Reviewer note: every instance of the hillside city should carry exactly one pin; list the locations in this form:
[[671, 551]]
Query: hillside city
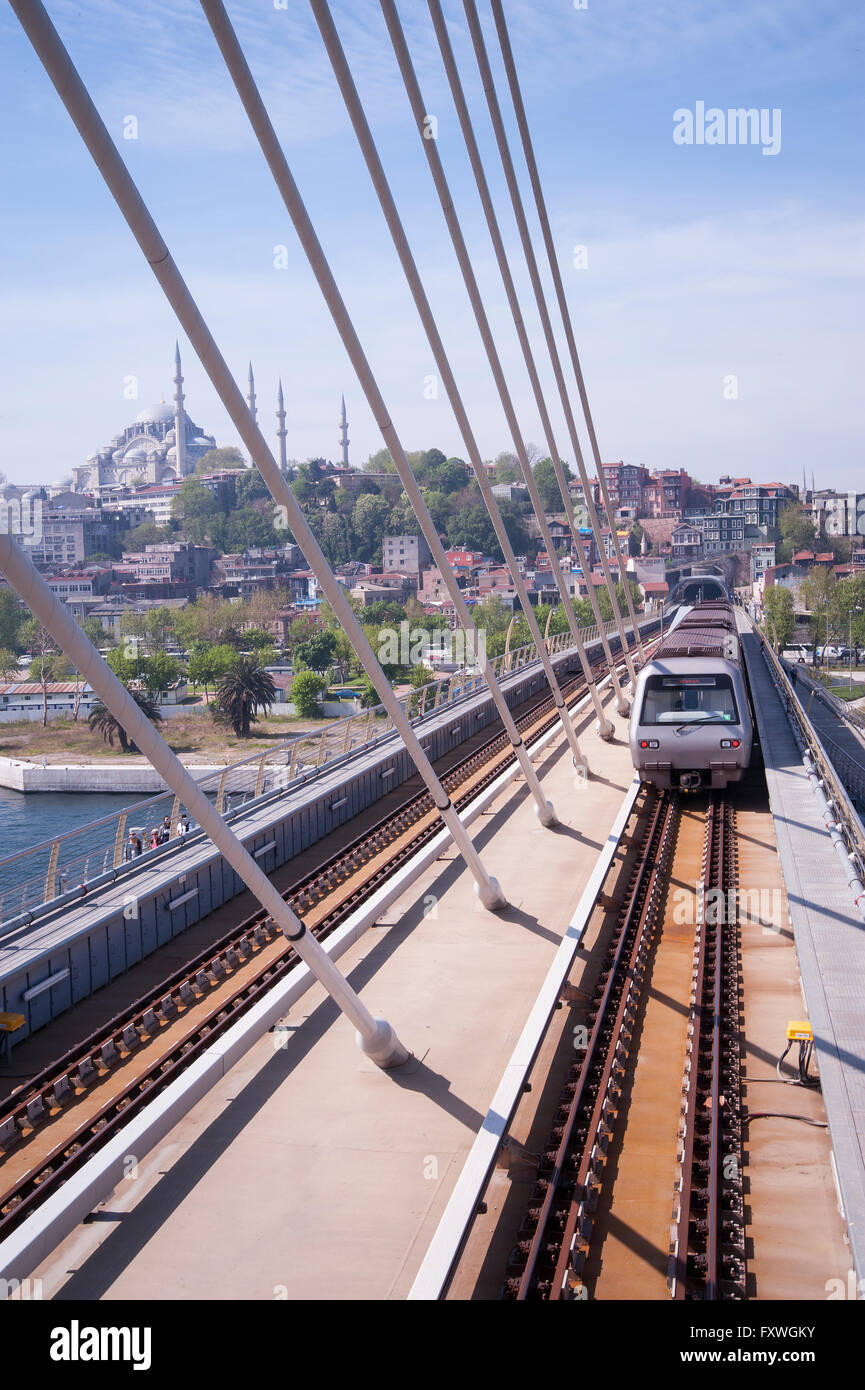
[[169, 553]]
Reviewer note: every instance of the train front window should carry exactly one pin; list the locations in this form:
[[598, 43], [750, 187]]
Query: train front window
[[689, 699]]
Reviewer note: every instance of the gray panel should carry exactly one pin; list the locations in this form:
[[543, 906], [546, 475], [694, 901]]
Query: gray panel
[[98, 944]]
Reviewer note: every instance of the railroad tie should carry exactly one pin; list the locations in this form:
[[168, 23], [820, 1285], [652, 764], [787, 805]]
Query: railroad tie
[[217, 969], [232, 958], [36, 1111], [187, 994], [149, 1021], [131, 1037], [61, 1091], [9, 1133], [167, 1007], [87, 1072], [108, 1052], [244, 947]]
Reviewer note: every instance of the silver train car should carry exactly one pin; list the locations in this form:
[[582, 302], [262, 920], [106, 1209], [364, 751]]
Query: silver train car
[[691, 726]]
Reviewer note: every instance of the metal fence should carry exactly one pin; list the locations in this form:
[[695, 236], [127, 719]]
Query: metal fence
[[71, 861]]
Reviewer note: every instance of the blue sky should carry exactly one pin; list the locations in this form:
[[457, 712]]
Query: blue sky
[[704, 262]]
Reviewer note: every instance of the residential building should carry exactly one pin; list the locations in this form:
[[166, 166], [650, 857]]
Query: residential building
[[410, 554], [687, 542]]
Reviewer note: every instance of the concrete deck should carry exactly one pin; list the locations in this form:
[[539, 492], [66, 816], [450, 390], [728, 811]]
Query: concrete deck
[[830, 940], [308, 1173]]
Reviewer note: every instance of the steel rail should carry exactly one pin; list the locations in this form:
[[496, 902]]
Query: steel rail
[[707, 1257], [546, 1247], [66, 1158]]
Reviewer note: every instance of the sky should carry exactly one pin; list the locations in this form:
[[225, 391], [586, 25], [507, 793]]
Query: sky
[[717, 303]]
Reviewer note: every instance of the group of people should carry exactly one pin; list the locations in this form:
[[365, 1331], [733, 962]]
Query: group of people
[[136, 844]]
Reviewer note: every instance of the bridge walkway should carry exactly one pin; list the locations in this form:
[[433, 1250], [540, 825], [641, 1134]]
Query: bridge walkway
[[307, 1172], [830, 939]]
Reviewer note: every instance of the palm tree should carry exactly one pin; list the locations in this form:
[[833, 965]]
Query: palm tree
[[242, 691], [102, 721]]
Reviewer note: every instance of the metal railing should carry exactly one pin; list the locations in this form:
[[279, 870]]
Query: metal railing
[[78, 857], [850, 821]]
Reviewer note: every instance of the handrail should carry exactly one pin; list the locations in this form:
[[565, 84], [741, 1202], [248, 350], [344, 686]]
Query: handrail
[[46, 871], [851, 825]]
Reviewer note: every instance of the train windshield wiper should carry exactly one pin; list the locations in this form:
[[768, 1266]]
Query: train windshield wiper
[[702, 719]]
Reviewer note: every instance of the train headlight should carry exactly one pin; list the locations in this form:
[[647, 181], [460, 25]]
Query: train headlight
[[731, 743], [649, 743]]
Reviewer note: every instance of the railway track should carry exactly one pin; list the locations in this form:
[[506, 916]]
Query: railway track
[[603, 1148], [707, 1257], [53, 1124]]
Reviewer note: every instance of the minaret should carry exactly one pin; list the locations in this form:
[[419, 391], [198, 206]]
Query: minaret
[[343, 434], [251, 397], [179, 417], [280, 433]]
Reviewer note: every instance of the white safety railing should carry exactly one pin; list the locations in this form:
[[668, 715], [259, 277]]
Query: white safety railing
[[77, 858]]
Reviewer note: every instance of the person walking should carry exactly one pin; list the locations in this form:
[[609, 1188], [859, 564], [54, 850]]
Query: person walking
[[183, 825], [155, 839], [129, 850], [165, 832]]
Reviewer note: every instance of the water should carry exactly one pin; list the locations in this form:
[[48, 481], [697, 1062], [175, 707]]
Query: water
[[28, 820]]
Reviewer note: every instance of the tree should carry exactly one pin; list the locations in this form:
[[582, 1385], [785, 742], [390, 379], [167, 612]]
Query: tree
[[12, 618], [148, 533], [507, 468], [43, 649], [102, 721], [208, 664], [196, 508], [317, 651], [515, 526], [819, 592], [471, 529], [208, 619], [216, 459], [778, 605], [8, 664], [380, 463], [548, 486], [160, 672], [94, 632], [797, 531], [370, 521], [257, 638], [242, 691], [305, 691], [250, 487]]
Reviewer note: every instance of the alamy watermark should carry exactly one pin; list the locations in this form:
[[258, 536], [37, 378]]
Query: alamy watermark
[[419, 646], [736, 126], [21, 517]]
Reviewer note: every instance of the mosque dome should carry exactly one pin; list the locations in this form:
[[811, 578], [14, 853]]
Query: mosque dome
[[155, 414], [171, 455], [200, 439], [169, 438], [136, 456]]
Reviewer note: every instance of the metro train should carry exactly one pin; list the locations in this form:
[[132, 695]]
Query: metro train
[[691, 725]]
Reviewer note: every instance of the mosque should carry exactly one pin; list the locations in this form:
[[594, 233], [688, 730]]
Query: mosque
[[161, 445]]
